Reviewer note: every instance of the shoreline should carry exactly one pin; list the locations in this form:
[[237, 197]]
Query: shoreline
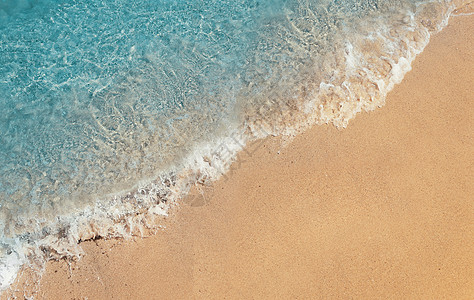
[[187, 256], [131, 212]]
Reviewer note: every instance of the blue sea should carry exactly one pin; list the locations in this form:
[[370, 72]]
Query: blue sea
[[111, 109]]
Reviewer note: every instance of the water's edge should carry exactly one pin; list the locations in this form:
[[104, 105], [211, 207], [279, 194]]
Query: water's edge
[[137, 211]]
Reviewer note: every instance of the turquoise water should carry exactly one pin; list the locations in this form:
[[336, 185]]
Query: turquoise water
[[106, 104]]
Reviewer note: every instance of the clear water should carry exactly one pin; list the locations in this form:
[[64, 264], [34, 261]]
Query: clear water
[[103, 102]]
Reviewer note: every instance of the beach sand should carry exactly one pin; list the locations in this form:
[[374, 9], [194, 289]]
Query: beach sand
[[381, 209]]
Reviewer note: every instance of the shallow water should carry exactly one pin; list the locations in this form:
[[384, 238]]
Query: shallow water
[[111, 109]]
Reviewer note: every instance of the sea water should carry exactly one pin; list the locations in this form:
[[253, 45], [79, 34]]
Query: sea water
[[112, 109]]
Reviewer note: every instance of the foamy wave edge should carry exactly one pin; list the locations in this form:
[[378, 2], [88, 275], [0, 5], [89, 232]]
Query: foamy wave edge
[[365, 68], [336, 100]]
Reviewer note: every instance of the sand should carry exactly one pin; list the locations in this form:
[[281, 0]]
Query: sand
[[381, 209]]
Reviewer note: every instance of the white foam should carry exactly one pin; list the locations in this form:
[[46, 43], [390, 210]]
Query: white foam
[[10, 264]]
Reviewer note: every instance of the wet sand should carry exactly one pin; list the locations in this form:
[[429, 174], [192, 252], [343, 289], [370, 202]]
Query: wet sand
[[381, 209]]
